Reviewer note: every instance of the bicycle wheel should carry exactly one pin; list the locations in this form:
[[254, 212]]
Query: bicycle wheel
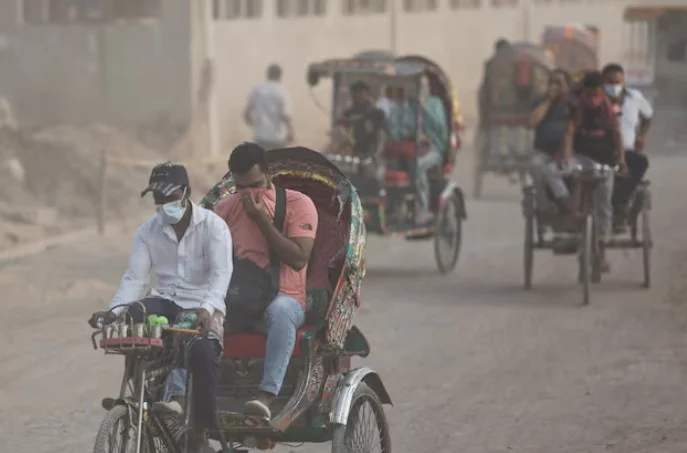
[[115, 426], [646, 247], [586, 258], [528, 208]]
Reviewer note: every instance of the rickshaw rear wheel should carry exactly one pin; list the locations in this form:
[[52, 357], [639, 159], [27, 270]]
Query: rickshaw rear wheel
[[449, 214], [348, 438], [646, 248]]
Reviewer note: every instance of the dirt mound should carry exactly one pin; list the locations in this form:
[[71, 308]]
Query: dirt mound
[[50, 178], [65, 167]]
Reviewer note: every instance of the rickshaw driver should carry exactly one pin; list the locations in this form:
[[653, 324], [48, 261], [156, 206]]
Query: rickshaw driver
[[189, 249], [369, 126], [249, 214], [635, 119], [593, 132]]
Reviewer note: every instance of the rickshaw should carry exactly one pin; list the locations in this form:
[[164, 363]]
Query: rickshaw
[[575, 47], [324, 398], [540, 223], [390, 201], [515, 78]]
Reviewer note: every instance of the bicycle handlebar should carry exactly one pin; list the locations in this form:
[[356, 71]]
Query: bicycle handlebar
[[600, 170]]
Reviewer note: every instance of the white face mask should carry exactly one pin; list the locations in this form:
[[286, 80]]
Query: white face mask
[[171, 213], [613, 90]]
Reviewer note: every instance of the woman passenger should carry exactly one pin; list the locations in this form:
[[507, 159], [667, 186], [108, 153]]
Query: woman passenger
[[549, 119]]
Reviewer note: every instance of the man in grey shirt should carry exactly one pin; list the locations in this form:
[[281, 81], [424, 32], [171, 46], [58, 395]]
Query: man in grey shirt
[[268, 112]]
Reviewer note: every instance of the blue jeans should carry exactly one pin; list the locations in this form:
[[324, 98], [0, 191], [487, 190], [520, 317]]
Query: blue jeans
[[283, 317]]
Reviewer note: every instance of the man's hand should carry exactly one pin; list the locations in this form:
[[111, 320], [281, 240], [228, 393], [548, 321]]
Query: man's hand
[[253, 207], [562, 160], [203, 321], [639, 143], [106, 317]]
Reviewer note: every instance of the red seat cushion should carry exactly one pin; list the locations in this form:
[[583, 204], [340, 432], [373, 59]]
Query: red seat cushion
[[396, 149], [396, 178], [253, 345]]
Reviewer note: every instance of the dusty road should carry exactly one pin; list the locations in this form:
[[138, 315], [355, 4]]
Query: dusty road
[[474, 363]]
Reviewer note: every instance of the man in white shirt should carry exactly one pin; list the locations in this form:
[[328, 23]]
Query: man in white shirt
[[268, 112], [189, 250], [635, 119]]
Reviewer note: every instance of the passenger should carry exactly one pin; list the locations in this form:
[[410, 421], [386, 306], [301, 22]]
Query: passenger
[[367, 122], [549, 119], [593, 132], [433, 122], [635, 120], [433, 133], [428, 157], [249, 214], [394, 105], [268, 112], [188, 248], [386, 102]]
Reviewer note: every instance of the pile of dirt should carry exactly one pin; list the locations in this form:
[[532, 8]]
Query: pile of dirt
[[50, 179], [65, 167]]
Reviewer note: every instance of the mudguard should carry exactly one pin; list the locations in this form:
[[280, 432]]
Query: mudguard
[[109, 403], [343, 397], [450, 190]]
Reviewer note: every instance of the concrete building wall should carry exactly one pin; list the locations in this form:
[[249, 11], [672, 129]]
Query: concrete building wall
[[458, 39], [78, 73]]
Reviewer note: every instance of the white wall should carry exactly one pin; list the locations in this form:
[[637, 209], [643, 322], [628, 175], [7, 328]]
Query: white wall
[[459, 40]]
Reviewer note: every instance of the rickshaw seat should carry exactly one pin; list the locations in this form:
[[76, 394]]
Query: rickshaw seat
[[252, 345], [395, 178], [400, 149]]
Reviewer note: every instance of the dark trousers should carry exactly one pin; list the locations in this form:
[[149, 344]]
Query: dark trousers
[[637, 165], [204, 358]]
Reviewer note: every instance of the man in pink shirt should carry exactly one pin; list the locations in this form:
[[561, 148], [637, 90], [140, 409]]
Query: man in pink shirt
[[250, 213]]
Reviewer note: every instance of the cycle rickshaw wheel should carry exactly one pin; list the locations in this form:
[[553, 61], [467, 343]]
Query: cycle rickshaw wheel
[[448, 235], [646, 247], [529, 237], [366, 430], [587, 258], [115, 432]]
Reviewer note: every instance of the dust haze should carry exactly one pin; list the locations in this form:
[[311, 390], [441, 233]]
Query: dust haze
[[473, 362]]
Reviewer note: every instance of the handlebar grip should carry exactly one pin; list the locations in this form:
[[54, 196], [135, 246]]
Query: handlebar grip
[[95, 334]]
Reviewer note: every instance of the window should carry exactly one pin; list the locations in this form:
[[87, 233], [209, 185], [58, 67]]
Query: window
[[75, 11], [418, 6], [360, 7], [503, 3], [236, 9], [465, 4], [301, 8]]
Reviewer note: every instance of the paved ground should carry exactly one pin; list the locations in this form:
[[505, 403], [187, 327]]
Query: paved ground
[[473, 362]]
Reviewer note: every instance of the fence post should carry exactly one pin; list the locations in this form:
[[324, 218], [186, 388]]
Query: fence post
[[102, 195]]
